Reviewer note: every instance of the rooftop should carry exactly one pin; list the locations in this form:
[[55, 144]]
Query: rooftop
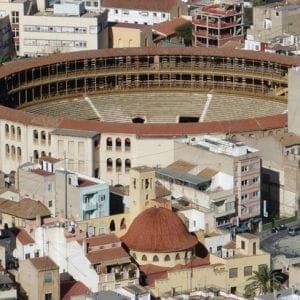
[[142, 169], [23, 236], [248, 235], [102, 239], [169, 27], [43, 263], [218, 145], [181, 166], [75, 133], [42, 172], [116, 255], [26, 208]]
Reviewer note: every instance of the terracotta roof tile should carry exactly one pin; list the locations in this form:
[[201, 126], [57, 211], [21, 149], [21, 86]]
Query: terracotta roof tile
[[72, 288], [230, 245], [42, 172], [43, 263], [102, 239], [100, 256], [153, 5], [26, 208], [23, 236], [158, 229], [169, 27]]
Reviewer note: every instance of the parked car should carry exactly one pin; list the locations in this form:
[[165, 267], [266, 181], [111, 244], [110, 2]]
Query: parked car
[[294, 230]]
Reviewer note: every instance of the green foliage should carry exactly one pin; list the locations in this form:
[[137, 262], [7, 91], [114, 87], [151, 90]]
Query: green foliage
[[262, 282], [184, 32]]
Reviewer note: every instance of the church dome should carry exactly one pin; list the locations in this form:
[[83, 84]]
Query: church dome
[[158, 229]]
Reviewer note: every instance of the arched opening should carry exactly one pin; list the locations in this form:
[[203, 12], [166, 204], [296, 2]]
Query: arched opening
[[13, 131], [43, 137], [144, 258], [177, 257], [18, 133], [43, 154], [6, 129], [35, 155], [108, 143], [127, 144], [19, 152], [127, 165], [118, 144], [167, 258], [7, 151], [13, 152], [118, 165], [112, 226], [155, 258], [35, 135], [123, 224], [109, 164], [138, 120]]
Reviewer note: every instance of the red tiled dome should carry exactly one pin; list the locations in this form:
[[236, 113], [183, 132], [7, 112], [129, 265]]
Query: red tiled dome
[[158, 230]]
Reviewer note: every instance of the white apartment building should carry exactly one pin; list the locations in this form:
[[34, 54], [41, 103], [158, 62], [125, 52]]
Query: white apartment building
[[234, 158], [39, 29], [143, 12]]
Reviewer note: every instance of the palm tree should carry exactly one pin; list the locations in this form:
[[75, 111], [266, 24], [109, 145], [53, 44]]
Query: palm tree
[[263, 281]]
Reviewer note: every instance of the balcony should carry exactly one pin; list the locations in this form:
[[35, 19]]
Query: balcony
[[89, 206]]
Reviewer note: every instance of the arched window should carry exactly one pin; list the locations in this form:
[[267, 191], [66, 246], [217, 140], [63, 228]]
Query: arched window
[[123, 224], [118, 144], [43, 154], [13, 152], [167, 258], [13, 131], [109, 164], [19, 133], [112, 226], [108, 143], [155, 258], [144, 258], [127, 165], [35, 155], [35, 135], [127, 144], [7, 151], [177, 257], [118, 165], [19, 152], [6, 129], [43, 137]]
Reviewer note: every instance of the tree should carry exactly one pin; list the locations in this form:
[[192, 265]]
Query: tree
[[263, 281], [184, 32]]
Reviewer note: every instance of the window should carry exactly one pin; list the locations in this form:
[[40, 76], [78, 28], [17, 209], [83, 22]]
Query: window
[[109, 144], [243, 244], [244, 197], [48, 296], [109, 164], [177, 257], [37, 253], [248, 271], [134, 183], [15, 17], [127, 144], [116, 11], [6, 129], [255, 194], [13, 221], [144, 258], [163, 15], [255, 179], [48, 276], [154, 14], [118, 144], [155, 258], [261, 267], [18, 133], [245, 168], [35, 134], [7, 150], [127, 165], [71, 147], [50, 203], [167, 258], [118, 165], [27, 255], [233, 272], [244, 182], [43, 137]]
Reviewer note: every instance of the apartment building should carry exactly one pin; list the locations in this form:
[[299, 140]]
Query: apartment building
[[240, 161], [61, 27], [271, 21], [143, 12], [216, 23], [205, 190], [65, 193]]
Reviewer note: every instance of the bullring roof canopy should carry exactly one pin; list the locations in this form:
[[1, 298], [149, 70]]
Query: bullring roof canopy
[[158, 230]]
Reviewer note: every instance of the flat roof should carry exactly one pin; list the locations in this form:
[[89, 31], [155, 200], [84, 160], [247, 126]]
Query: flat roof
[[75, 133], [184, 177]]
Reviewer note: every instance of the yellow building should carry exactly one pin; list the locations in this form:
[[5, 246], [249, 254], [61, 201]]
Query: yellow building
[[125, 35]]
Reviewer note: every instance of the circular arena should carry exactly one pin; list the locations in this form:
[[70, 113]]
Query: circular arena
[[150, 85]]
